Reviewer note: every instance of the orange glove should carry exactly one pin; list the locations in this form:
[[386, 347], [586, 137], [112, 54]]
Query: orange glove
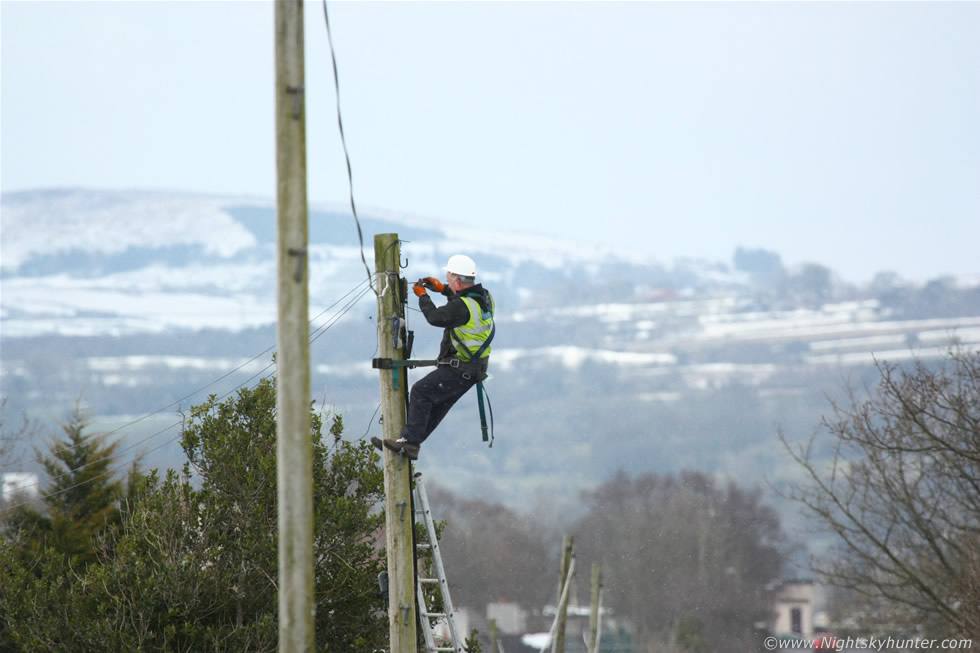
[[419, 289], [433, 283]]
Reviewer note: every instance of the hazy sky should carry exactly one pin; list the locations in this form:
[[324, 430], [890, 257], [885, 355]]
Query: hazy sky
[[842, 133]]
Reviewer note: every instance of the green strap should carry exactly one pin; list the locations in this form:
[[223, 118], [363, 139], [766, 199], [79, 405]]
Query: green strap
[[483, 415]]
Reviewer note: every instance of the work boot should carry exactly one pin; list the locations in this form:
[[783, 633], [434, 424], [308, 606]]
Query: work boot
[[377, 443], [401, 445]]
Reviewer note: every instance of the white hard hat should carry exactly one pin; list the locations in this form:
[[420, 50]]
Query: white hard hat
[[461, 265]]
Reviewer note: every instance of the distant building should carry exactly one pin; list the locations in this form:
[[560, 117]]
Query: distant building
[[793, 608], [511, 617], [20, 485]]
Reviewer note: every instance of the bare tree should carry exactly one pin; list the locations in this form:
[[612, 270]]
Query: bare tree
[[13, 445], [896, 476], [492, 553], [685, 558], [12, 440]]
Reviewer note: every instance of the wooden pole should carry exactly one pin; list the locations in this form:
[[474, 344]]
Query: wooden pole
[[397, 469], [494, 646], [294, 448], [566, 562], [594, 612]]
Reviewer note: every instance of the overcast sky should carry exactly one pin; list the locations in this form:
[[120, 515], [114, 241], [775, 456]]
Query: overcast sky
[[840, 133]]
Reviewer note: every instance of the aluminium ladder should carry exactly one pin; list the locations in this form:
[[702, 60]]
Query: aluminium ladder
[[426, 617]]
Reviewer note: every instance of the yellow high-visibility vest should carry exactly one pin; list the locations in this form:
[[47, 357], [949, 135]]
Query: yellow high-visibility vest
[[473, 336]]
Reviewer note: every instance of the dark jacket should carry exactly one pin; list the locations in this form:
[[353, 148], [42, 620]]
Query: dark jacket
[[455, 314]]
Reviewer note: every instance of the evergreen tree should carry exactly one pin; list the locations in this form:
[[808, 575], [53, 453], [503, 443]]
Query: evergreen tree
[[193, 563], [81, 499], [44, 549]]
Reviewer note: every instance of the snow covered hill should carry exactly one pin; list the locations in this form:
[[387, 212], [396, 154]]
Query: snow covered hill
[[113, 263], [104, 262], [147, 302]]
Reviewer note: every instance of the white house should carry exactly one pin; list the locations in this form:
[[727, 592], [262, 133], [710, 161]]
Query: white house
[[793, 608]]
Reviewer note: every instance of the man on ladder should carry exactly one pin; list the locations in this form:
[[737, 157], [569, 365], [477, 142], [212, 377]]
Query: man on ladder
[[464, 353]]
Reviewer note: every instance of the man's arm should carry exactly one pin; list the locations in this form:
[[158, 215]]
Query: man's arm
[[453, 314]]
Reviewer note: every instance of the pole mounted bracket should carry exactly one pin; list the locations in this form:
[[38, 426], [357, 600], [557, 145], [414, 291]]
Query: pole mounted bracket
[[297, 93], [383, 587], [394, 364], [407, 609], [300, 254]]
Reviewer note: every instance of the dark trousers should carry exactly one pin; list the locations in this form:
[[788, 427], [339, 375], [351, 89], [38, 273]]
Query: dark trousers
[[431, 398]]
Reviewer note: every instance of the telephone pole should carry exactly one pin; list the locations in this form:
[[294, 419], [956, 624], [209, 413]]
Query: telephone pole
[[294, 448], [596, 604], [567, 568], [399, 533]]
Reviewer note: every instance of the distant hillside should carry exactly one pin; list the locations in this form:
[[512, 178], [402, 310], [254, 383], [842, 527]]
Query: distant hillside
[[147, 302], [144, 256]]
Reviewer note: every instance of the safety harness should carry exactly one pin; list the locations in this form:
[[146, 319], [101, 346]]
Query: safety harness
[[474, 333], [463, 347], [469, 333]]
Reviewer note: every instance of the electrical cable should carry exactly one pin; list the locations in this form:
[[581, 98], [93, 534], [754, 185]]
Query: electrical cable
[[225, 375], [315, 336], [343, 142], [316, 333], [322, 329], [371, 421]]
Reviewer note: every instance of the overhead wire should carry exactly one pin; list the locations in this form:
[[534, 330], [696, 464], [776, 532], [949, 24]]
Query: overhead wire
[[316, 332], [343, 142], [314, 335], [350, 177], [233, 370], [371, 422], [165, 429]]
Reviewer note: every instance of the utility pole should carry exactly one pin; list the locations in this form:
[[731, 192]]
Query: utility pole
[[399, 520], [594, 612], [566, 567], [294, 448]]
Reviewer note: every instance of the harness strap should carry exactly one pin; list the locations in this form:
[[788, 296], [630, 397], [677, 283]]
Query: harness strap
[[479, 384], [483, 417], [483, 347], [486, 343]]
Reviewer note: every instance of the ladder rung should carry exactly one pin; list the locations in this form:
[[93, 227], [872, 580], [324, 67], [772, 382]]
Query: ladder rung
[[422, 510]]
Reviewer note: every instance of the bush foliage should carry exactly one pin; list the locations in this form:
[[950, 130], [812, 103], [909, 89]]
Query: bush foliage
[[189, 560]]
